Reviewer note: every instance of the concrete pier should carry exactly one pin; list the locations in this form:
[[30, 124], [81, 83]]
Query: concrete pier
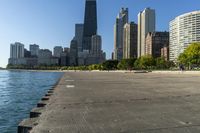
[[95, 102]]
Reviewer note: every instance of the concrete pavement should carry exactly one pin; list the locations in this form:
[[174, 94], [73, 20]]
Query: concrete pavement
[[94, 102]]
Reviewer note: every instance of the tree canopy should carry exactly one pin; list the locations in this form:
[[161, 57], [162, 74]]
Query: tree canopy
[[191, 55]]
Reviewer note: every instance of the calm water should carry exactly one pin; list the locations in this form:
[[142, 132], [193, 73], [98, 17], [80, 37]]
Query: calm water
[[19, 93]]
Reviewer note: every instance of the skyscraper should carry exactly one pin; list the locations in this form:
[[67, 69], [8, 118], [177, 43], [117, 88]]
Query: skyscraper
[[79, 36], [90, 23], [184, 30], [130, 41], [121, 20], [146, 24]]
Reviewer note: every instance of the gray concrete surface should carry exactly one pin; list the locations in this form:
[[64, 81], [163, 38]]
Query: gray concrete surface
[[94, 102]]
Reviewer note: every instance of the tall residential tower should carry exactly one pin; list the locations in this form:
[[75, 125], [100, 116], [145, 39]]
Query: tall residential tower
[[146, 24], [184, 30]]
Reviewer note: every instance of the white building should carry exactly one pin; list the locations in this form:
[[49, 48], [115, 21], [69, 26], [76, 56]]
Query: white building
[[121, 20], [146, 24], [17, 50], [184, 30]]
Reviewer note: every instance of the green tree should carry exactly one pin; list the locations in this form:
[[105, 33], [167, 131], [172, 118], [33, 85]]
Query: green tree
[[161, 63], [126, 64], [191, 56], [110, 65], [145, 62]]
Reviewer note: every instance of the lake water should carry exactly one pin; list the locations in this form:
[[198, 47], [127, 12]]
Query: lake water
[[19, 93]]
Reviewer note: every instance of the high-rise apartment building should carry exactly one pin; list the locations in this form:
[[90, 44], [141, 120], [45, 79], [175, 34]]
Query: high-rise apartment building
[[146, 24], [17, 50], [57, 51], [90, 23], [34, 49], [130, 41], [155, 41], [184, 30], [121, 20]]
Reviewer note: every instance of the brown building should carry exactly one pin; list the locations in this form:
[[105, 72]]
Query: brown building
[[155, 41], [130, 41]]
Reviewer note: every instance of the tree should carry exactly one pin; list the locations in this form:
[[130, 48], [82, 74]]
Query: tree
[[145, 62], [161, 63], [191, 56], [110, 65], [126, 64]]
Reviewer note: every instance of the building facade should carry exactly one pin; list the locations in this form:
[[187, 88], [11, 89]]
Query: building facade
[[34, 49], [146, 24], [17, 50], [73, 53], [121, 20], [184, 30], [45, 58], [79, 36], [155, 41], [165, 53], [90, 23], [96, 45], [57, 51], [130, 41]]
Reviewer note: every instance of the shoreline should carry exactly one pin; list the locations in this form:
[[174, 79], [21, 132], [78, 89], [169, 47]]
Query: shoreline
[[26, 125], [114, 71]]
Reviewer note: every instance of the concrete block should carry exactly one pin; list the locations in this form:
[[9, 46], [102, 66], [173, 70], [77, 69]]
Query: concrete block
[[27, 125]]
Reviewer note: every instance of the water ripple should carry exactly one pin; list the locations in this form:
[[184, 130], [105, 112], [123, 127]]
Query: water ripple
[[19, 93]]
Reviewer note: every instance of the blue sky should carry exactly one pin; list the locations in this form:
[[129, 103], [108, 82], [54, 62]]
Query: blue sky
[[51, 22]]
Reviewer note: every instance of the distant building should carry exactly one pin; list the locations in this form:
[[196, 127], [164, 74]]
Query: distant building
[[146, 24], [79, 36], [57, 51], [65, 59], [45, 53], [45, 58], [34, 49], [121, 20], [27, 54], [155, 41], [96, 45], [112, 55], [16, 54], [17, 50], [82, 57], [67, 50], [130, 41], [90, 23], [184, 30], [73, 53], [165, 53]]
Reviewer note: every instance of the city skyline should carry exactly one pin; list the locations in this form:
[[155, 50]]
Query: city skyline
[[45, 30]]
